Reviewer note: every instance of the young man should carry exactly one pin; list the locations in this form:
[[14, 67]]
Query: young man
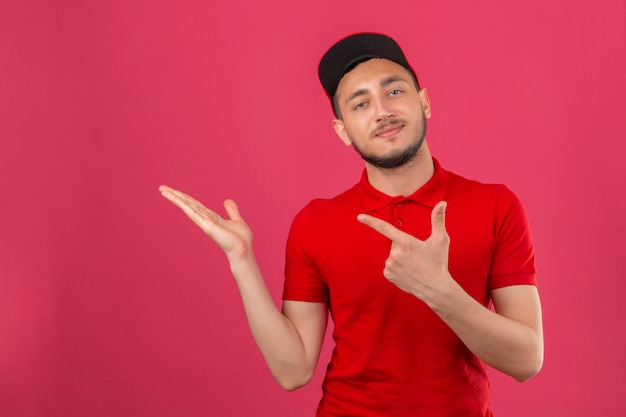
[[408, 262]]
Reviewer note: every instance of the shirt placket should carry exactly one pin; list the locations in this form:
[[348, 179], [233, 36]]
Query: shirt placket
[[396, 213]]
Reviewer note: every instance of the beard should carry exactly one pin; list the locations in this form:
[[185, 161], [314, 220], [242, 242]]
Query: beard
[[397, 158]]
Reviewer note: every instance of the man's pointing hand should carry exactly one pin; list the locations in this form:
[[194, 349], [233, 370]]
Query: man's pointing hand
[[416, 266]]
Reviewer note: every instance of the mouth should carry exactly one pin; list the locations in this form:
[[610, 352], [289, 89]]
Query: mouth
[[389, 131]]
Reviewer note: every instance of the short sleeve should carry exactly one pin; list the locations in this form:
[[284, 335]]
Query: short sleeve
[[303, 282], [513, 260]]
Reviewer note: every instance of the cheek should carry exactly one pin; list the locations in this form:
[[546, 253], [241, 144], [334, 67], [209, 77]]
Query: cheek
[[356, 127], [354, 135]]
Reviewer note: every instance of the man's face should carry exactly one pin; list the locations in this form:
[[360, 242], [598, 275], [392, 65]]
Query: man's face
[[383, 113]]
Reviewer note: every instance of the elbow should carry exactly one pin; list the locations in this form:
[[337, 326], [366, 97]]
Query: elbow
[[293, 382], [531, 368], [532, 363], [290, 385]]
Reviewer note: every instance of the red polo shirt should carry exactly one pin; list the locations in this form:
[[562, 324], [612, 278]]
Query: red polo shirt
[[393, 356]]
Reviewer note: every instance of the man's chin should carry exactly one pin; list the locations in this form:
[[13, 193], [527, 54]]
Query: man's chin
[[391, 160]]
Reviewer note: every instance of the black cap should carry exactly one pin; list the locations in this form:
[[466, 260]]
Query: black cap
[[351, 51]]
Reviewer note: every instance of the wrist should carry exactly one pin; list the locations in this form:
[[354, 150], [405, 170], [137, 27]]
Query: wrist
[[242, 262], [446, 296]]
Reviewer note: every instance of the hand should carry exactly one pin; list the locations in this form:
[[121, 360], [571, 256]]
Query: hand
[[416, 266], [232, 235]]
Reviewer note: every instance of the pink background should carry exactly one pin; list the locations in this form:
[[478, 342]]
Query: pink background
[[113, 304]]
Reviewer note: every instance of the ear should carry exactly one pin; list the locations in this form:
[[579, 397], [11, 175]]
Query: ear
[[425, 102], [340, 130]]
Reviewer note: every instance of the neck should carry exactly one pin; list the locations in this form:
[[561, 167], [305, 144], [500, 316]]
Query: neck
[[403, 180]]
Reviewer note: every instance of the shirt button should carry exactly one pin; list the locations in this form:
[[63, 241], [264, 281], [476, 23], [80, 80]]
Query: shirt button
[[398, 204], [399, 223]]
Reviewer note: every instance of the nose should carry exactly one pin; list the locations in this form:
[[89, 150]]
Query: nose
[[383, 111]]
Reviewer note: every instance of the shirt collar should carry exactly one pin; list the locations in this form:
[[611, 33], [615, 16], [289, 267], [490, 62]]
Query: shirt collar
[[429, 194]]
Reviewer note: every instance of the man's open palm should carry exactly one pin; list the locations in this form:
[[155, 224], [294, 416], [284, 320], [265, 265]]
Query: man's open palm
[[232, 235]]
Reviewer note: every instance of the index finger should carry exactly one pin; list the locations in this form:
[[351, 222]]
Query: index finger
[[177, 197], [380, 226], [194, 209]]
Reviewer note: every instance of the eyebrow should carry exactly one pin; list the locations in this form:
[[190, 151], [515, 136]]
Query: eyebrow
[[384, 83], [391, 79], [355, 94]]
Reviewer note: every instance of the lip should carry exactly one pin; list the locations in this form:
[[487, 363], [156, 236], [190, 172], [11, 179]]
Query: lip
[[389, 131]]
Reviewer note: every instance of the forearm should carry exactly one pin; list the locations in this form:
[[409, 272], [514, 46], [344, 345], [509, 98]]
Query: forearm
[[508, 344], [276, 336], [281, 344]]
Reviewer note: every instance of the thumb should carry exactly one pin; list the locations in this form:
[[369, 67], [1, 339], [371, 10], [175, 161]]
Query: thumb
[[438, 219], [232, 210]]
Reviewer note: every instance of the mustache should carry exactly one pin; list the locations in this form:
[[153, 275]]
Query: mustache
[[387, 124]]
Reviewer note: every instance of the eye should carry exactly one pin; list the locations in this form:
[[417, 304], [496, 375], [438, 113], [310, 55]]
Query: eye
[[360, 105], [395, 92]]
